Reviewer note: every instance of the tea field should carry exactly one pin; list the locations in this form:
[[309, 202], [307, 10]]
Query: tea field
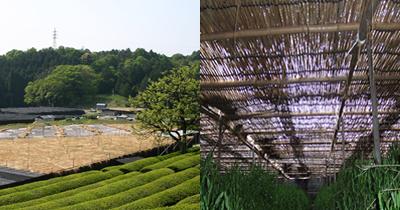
[[170, 181]]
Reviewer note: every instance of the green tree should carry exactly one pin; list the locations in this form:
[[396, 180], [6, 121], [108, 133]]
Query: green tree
[[171, 104], [65, 85]]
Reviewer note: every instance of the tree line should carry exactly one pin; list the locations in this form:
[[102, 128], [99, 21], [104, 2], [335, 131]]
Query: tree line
[[68, 76]]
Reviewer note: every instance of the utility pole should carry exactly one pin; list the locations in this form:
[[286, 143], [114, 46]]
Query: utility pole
[[55, 38]]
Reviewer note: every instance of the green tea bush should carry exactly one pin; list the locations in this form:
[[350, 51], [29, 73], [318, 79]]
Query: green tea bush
[[237, 190], [166, 197], [185, 163], [139, 164], [325, 198], [363, 185], [106, 190], [190, 199], [170, 155], [165, 162], [136, 193], [37, 184], [289, 196], [65, 194], [55, 187], [180, 207]]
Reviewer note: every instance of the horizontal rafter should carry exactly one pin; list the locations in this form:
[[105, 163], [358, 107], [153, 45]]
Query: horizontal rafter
[[338, 27], [280, 82]]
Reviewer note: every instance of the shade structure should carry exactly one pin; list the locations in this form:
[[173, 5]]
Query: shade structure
[[285, 83]]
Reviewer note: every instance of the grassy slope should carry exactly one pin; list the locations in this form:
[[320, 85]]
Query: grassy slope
[[162, 181]]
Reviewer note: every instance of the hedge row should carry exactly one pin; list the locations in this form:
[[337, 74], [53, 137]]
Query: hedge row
[[166, 197], [68, 193], [190, 200], [56, 187], [180, 207], [139, 164], [134, 166], [106, 190], [165, 162], [170, 155], [138, 192], [185, 163], [37, 184]]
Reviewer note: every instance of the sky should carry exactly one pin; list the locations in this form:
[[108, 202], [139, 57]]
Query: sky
[[164, 26]]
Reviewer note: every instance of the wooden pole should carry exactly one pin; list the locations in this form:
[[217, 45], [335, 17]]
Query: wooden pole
[[374, 104], [231, 127], [220, 137], [293, 30], [206, 85], [343, 145]]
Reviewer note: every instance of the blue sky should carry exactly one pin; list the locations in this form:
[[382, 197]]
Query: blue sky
[[165, 26]]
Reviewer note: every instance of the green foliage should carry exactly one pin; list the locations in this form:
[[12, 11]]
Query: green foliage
[[106, 190], [237, 190], [38, 184], [185, 163], [194, 199], [136, 193], [289, 196], [139, 164], [166, 197], [111, 188], [55, 188], [166, 162], [66, 85], [171, 103], [38, 203], [180, 207], [325, 198], [117, 74], [363, 185], [110, 100]]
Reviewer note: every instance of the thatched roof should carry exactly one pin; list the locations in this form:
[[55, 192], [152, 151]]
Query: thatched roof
[[290, 78]]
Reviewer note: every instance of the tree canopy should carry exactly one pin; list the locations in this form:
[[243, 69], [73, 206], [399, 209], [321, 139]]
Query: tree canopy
[[171, 103], [122, 72], [65, 85]]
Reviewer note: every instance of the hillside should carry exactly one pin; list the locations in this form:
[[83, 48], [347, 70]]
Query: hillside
[[119, 72], [162, 182]]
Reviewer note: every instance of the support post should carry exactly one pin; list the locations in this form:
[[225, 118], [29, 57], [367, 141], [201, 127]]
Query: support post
[[374, 104], [220, 137], [343, 145]]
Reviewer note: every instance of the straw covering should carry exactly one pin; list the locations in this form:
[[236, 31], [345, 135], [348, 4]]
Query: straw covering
[[285, 83]]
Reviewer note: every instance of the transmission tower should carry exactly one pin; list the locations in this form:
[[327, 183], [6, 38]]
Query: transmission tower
[[55, 38]]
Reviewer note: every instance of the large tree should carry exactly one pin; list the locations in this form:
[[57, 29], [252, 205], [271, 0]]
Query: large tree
[[66, 85], [171, 104]]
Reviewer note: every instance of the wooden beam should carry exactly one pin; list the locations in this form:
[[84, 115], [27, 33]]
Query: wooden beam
[[337, 27], [311, 114], [278, 82], [229, 126], [271, 132]]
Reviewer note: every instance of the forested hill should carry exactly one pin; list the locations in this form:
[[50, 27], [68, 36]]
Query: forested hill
[[122, 72]]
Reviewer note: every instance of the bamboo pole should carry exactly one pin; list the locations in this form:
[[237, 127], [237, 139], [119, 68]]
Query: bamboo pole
[[338, 27], [374, 104], [260, 83], [241, 137]]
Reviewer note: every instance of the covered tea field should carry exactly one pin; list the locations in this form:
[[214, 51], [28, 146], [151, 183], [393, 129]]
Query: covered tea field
[[306, 89]]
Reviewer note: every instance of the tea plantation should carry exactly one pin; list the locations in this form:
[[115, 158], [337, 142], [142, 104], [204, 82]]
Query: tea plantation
[[163, 182]]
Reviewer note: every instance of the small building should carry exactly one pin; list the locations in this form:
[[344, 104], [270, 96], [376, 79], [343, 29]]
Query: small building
[[46, 118], [101, 106]]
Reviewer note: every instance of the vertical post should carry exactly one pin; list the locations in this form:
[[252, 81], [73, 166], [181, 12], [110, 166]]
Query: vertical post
[[374, 103], [220, 137], [343, 145]]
